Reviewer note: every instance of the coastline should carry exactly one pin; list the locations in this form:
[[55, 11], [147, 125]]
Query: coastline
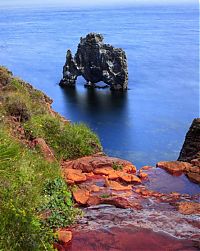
[[94, 179]]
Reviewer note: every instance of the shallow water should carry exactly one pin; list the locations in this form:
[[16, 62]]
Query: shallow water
[[144, 125]]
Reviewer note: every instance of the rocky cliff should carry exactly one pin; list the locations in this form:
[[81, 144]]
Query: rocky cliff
[[191, 146], [96, 62]]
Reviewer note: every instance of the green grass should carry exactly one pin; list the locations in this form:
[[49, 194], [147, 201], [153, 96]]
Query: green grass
[[69, 141], [28, 187], [105, 196], [34, 199]]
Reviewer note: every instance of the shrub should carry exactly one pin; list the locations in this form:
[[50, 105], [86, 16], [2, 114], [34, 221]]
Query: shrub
[[68, 140], [58, 203], [19, 109], [117, 167]]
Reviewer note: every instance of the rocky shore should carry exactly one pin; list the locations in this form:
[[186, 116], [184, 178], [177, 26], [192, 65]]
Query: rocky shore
[[154, 208], [118, 199]]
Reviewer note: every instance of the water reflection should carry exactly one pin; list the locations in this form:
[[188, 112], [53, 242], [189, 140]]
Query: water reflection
[[96, 102], [104, 111]]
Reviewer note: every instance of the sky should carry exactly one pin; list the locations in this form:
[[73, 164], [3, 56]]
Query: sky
[[86, 3]]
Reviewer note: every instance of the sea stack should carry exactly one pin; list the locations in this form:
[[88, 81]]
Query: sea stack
[[96, 62]]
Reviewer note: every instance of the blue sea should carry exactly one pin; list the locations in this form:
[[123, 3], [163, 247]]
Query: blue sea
[[147, 123]]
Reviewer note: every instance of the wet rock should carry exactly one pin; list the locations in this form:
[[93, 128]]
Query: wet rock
[[126, 239], [129, 178], [96, 62], [64, 236], [174, 167], [189, 208], [114, 185], [121, 202], [158, 219]]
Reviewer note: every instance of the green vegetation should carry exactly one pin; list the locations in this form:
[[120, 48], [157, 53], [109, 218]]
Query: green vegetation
[[117, 167], [34, 199], [105, 196], [58, 204], [69, 141], [23, 174]]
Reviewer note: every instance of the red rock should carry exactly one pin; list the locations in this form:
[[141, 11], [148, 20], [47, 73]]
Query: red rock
[[94, 188], [123, 238], [129, 168], [143, 175], [129, 178], [138, 190], [186, 207], [93, 201], [174, 167], [146, 168], [107, 182], [125, 177], [105, 171], [74, 175], [45, 149], [113, 176], [118, 187], [81, 196], [99, 160], [64, 236], [121, 202]]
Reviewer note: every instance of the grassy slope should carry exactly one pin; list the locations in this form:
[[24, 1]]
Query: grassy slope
[[34, 199]]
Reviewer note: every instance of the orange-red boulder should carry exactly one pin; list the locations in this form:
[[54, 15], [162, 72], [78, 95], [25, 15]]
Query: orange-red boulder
[[74, 175], [114, 185], [174, 167], [129, 178], [81, 196], [64, 236]]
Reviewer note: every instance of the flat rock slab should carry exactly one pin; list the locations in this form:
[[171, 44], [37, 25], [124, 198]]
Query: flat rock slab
[[90, 163]]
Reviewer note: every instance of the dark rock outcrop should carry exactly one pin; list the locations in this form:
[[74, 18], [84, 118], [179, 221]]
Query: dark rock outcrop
[[191, 146], [189, 158], [96, 62], [190, 151]]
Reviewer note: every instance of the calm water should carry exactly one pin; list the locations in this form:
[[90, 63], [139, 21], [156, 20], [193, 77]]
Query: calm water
[[144, 125]]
